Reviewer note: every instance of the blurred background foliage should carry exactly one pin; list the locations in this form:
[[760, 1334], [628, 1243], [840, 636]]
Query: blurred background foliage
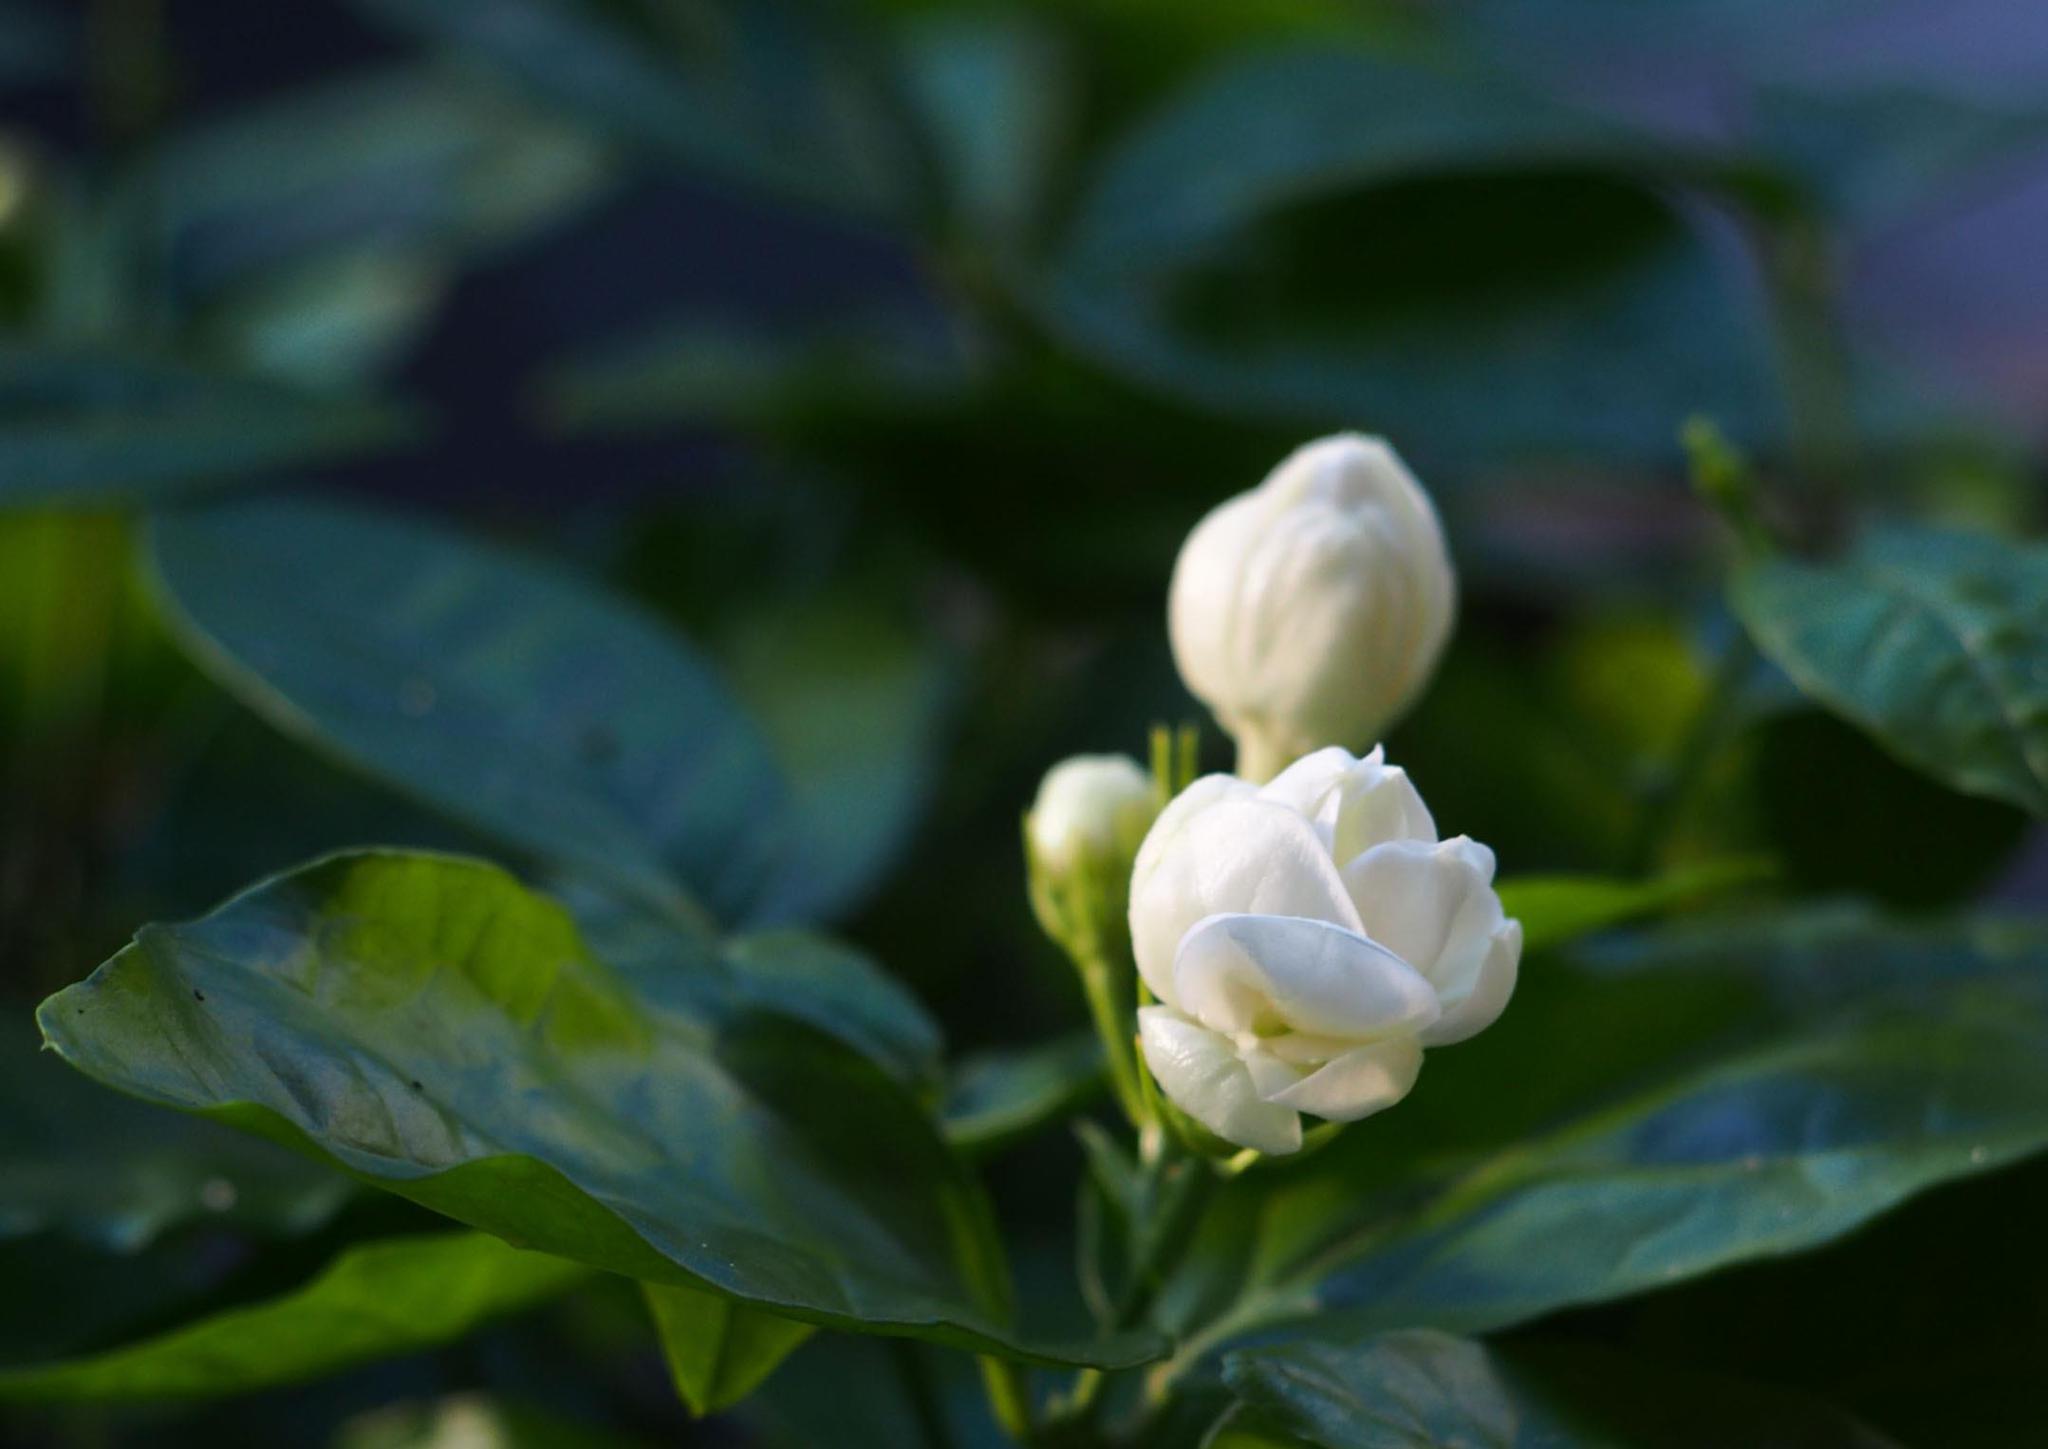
[[889, 349]]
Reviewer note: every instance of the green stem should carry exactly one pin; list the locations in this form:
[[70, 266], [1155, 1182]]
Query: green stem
[[1187, 1185], [1113, 1023], [1182, 1187], [1009, 1398]]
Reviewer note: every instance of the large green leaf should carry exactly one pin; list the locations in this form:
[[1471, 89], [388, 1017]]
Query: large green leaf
[[79, 1160], [97, 427], [1422, 1390], [1325, 233], [718, 1352], [440, 1032], [763, 94], [376, 1301], [517, 700], [1727, 1095], [1936, 643]]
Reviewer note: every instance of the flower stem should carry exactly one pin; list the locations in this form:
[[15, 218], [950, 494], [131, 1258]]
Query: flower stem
[[1113, 1023], [1186, 1185]]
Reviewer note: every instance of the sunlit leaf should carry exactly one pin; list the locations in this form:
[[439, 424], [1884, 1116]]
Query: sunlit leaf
[[440, 1032], [376, 1301], [718, 1351], [79, 1160]]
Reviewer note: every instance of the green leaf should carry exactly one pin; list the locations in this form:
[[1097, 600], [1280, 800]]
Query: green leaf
[[1936, 643], [79, 1160], [376, 1301], [1554, 909], [997, 1097], [518, 700], [95, 427], [440, 1032], [1718, 1096], [1421, 1390], [765, 95], [1327, 233], [718, 1351], [815, 979]]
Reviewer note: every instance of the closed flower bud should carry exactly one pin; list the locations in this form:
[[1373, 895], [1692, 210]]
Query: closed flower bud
[[1081, 835], [1311, 610], [1306, 940]]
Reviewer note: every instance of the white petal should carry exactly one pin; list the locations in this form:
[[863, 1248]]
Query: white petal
[[1203, 600], [1310, 784], [1201, 1074], [1235, 854], [1253, 973], [1433, 905], [1389, 808], [1354, 804], [1270, 1075], [1488, 994], [1158, 844], [1362, 1081]]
